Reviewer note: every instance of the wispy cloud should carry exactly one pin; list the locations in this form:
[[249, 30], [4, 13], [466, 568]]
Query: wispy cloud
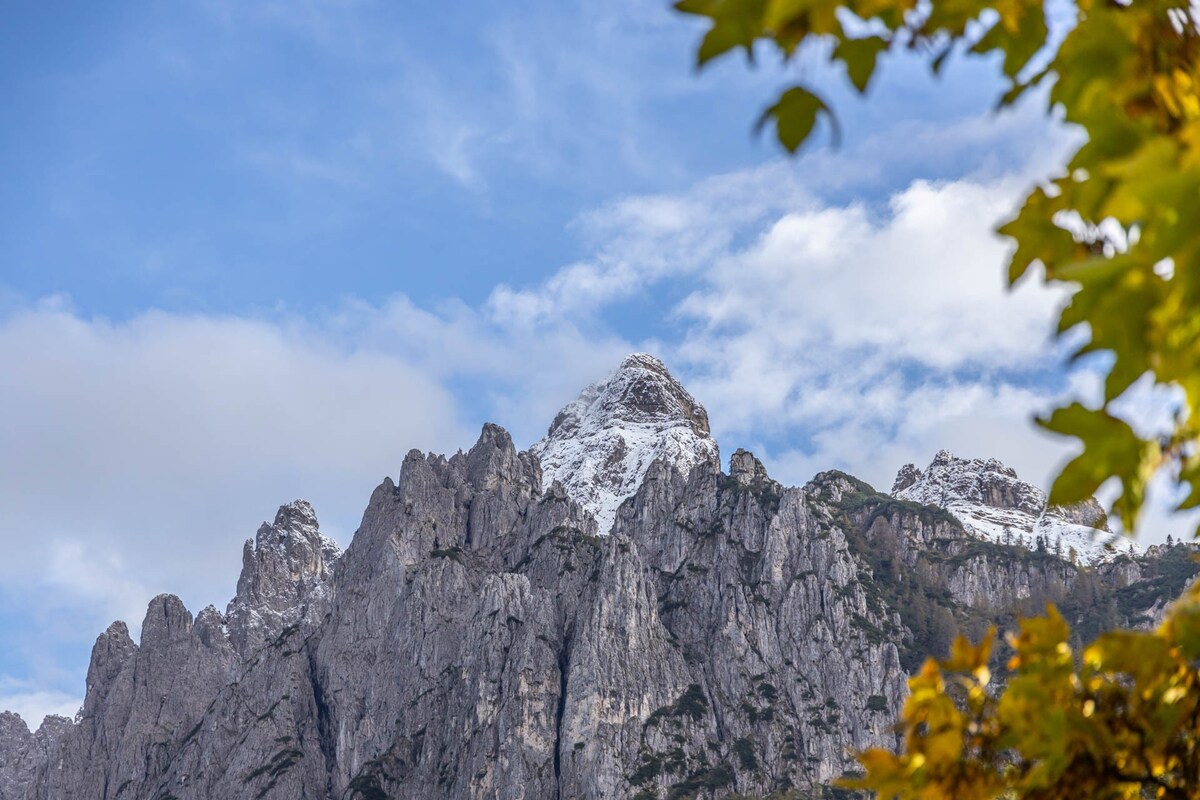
[[640, 241]]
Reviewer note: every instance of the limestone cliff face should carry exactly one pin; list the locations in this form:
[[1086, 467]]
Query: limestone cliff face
[[480, 638], [140, 700], [761, 593]]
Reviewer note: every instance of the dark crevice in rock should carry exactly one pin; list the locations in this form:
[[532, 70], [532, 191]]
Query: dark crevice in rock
[[564, 664], [718, 716], [325, 732]]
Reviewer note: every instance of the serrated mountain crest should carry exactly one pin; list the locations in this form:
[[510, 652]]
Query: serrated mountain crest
[[731, 636], [601, 444], [993, 503]]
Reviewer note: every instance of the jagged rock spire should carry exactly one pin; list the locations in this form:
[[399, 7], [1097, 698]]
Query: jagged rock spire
[[285, 571], [600, 445]]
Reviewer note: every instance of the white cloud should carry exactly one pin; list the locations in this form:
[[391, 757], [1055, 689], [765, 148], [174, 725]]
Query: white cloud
[[1159, 518], [139, 454], [640, 241], [33, 703], [920, 282]]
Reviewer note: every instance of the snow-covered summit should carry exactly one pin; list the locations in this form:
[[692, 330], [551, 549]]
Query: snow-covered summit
[[600, 445], [992, 502]]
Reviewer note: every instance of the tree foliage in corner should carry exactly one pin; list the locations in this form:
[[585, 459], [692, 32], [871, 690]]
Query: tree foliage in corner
[[1121, 226], [1123, 721]]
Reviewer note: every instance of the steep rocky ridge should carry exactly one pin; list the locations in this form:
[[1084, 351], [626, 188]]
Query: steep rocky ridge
[[140, 699], [943, 579], [482, 641], [479, 638]]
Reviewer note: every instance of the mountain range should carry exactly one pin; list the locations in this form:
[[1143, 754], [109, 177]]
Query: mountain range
[[608, 614]]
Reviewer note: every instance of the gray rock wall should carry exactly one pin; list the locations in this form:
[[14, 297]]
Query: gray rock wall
[[479, 640]]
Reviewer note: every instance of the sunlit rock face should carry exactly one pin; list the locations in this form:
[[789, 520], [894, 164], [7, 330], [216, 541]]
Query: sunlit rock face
[[22, 751], [284, 580]]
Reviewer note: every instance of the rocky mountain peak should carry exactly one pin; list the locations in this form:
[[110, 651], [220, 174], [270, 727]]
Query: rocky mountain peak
[[641, 390], [493, 460], [601, 444], [978, 480], [992, 502], [297, 516], [746, 469], [11, 724], [906, 477], [285, 570]]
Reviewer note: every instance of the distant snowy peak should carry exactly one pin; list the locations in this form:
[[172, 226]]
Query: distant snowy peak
[[600, 445], [978, 481], [992, 502]]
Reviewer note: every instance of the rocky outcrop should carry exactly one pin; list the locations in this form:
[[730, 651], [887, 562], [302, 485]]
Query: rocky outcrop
[[141, 700], [759, 588], [601, 445]]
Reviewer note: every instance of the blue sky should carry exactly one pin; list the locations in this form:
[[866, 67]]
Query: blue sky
[[238, 157], [250, 252]]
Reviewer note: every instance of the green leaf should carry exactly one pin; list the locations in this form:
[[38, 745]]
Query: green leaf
[[795, 115], [1110, 449], [700, 8], [1020, 34], [735, 23], [1037, 237], [720, 39], [1020, 87], [780, 14], [859, 56]]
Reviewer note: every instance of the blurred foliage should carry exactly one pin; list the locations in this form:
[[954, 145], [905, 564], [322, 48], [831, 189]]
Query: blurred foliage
[[1121, 720], [1120, 227]]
